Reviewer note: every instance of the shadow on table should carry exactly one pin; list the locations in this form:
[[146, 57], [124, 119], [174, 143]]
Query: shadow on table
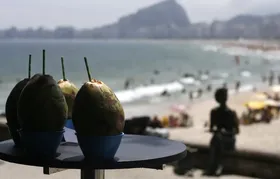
[[145, 141]]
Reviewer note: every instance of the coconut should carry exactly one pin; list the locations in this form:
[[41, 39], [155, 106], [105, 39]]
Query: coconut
[[42, 106], [12, 101], [68, 89], [12, 104], [97, 111]]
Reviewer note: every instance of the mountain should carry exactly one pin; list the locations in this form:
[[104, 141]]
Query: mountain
[[164, 20]]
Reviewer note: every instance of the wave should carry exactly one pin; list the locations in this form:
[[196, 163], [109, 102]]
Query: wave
[[148, 91], [246, 74], [190, 81], [154, 91], [211, 48]]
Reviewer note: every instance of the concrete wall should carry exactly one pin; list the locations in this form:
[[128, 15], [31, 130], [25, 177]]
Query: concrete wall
[[241, 162]]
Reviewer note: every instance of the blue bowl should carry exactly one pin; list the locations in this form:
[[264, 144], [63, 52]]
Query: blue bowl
[[96, 148], [69, 124], [15, 135], [41, 144]]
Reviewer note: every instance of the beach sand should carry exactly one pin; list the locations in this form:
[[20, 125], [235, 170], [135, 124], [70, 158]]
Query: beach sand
[[12, 171], [262, 137]]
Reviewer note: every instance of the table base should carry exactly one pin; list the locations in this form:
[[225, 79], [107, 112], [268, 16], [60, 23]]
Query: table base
[[92, 174]]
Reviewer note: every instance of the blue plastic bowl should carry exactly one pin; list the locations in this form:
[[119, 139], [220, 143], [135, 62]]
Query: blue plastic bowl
[[97, 148], [15, 135], [69, 124], [41, 144]]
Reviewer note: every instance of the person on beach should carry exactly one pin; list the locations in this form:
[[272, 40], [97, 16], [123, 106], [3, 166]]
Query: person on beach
[[209, 88], [191, 95], [263, 78], [237, 86], [224, 125], [165, 93], [156, 72], [199, 92], [237, 60], [127, 83], [271, 78]]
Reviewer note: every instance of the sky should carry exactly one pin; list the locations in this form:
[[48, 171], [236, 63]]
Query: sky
[[94, 13]]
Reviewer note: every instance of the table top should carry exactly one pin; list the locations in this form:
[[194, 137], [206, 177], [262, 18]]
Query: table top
[[135, 151]]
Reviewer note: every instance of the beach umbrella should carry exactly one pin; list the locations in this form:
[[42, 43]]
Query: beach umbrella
[[275, 88], [255, 105]]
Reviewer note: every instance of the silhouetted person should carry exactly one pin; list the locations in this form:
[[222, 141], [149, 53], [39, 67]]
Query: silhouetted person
[[237, 85], [186, 75], [263, 78], [209, 88], [199, 92], [165, 93], [191, 95], [156, 72], [127, 83], [224, 125], [278, 78], [271, 78]]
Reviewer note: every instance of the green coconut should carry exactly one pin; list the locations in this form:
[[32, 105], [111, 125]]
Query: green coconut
[[97, 111], [42, 106], [12, 101], [68, 89]]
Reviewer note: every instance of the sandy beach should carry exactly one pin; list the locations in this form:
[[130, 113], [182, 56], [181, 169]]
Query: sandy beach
[[262, 137], [11, 171]]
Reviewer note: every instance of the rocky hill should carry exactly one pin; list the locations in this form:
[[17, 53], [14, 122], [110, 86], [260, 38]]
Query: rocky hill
[[163, 20]]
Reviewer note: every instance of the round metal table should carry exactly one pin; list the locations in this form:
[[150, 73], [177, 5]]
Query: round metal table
[[135, 151]]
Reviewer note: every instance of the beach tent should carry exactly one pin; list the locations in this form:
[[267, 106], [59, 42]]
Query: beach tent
[[275, 88], [271, 102]]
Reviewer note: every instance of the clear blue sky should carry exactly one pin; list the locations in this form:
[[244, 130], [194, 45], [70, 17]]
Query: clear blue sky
[[93, 13]]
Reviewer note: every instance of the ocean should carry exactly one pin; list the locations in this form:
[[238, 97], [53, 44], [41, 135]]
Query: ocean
[[115, 61]]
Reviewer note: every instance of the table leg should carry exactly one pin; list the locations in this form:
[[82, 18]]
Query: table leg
[[92, 174]]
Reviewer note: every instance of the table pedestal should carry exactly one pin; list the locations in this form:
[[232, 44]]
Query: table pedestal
[[92, 174]]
